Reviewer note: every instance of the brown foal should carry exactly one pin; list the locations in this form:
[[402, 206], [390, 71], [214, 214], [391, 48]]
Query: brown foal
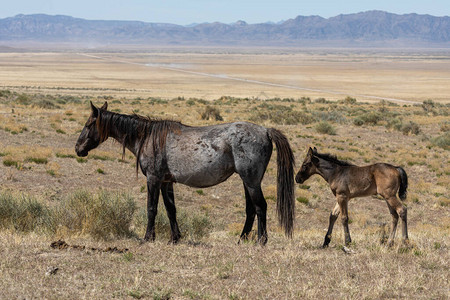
[[349, 181]]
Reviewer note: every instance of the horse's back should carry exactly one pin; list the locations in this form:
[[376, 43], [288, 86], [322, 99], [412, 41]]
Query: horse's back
[[205, 156]]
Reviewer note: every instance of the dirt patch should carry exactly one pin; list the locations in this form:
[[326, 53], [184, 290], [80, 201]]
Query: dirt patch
[[62, 245]]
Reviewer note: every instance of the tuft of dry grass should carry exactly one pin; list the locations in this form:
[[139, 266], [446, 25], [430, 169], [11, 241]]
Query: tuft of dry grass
[[104, 215]]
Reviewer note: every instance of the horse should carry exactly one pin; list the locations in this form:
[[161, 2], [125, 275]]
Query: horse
[[169, 152], [350, 181]]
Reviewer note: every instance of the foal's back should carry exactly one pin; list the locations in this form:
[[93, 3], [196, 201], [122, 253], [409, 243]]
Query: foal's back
[[360, 181]]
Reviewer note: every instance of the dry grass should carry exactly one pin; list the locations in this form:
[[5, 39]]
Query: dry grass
[[208, 264]]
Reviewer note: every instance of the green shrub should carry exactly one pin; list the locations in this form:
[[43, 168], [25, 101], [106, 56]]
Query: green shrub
[[280, 114], [325, 128], [348, 100], [23, 99], [394, 123], [428, 106], [11, 163], [5, 93], [410, 128], [329, 116], [211, 113], [190, 102], [445, 127], [46, 104], [303, 200], [369, 118], [321, 100], [37, 160], [64, 155], [442, 141]]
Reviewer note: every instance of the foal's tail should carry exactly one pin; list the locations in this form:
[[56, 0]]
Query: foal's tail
[[403, 183], [285, 181]]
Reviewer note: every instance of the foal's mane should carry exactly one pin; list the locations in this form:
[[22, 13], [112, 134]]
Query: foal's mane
[[136, 128], [333, 159]]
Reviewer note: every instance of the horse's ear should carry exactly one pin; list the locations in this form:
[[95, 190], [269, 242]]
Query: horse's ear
[[310, 151], [94, 110], [315, 150], [105, 106]]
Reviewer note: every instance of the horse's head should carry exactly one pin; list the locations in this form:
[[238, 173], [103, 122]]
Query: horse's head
[[309, 166], [90, 137]]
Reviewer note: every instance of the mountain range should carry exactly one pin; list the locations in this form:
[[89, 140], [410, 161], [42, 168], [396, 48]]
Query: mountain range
[[371, 28]]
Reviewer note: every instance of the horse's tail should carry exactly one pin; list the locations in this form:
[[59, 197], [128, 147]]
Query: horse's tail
[[403, 183], [285, 181]]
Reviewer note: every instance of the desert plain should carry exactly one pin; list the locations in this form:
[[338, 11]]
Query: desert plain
[[362, 105]]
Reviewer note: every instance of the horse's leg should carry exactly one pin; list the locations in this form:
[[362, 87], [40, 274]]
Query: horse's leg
[[169, 203], [333, 217], [250, 215], [402, 212], [394, 215], [343, 204], [257, 197], [153, 186]]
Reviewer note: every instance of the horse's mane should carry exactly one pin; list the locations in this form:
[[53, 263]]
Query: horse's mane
[[136, 128], [333, 159]]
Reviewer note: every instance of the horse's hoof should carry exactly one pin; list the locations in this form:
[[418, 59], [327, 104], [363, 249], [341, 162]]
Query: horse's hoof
[[173, 241], [262, 241], [243, 239]]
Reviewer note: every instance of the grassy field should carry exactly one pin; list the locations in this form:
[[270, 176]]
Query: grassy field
[[96, 204]]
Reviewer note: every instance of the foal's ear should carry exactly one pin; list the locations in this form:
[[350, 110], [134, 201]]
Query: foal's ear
[[315, 150], [105, 106], [310, 151]]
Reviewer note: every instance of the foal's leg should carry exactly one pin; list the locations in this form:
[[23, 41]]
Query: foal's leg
[[250, 215], [153, 186], [169, 203], [333, 217], [402, 212], [394, 215], [260, 204], [343, 204]]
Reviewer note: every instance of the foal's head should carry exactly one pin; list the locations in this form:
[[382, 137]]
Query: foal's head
[[90, 137], [309, 166]]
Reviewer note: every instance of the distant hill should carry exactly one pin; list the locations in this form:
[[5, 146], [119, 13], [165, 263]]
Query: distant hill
[[372, 28]]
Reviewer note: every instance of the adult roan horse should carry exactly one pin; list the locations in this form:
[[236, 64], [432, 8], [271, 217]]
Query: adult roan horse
[[349, 181], [167, 152]]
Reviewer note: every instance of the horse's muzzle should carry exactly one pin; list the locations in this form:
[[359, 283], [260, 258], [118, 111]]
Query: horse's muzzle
[[80, 153], [299, 179]]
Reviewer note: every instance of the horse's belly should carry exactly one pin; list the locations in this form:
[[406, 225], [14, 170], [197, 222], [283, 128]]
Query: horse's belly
[[196, 172], [199, 161], [363, 190], [203, 177]]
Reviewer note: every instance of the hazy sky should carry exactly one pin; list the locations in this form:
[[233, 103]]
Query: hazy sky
[[185, 12]]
